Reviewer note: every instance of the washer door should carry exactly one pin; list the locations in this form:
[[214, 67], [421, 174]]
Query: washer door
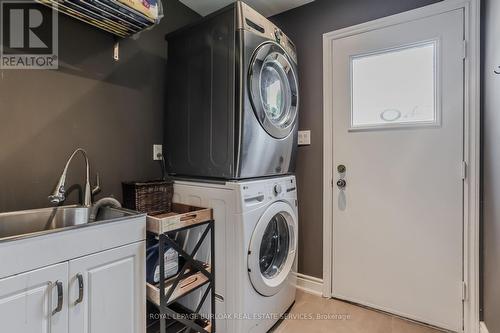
[[272, 249], [273, 89]]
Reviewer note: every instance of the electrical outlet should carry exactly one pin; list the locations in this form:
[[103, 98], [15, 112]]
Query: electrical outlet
[[157, 152], [304, 138]]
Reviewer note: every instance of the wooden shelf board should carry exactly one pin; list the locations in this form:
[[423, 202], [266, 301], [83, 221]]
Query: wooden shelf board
[[182, 216], [185, 286]]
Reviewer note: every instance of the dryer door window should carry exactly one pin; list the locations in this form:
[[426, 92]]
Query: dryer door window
[[272, 249], [274, 89]]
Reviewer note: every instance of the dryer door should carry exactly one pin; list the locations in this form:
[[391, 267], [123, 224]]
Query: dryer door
[[272, 249], [274, 89]]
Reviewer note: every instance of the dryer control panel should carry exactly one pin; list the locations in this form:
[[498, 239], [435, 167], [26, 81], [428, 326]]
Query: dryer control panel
[[249, 19]]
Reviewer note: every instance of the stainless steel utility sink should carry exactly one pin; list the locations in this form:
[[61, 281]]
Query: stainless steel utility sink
[[38, 222]]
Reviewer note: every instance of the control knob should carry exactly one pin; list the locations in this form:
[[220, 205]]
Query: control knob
[[277, 189]]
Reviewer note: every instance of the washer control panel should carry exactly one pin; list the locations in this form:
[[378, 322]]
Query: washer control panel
[[262, 192], [283, 188]]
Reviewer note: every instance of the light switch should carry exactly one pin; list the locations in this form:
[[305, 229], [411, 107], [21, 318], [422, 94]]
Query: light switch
[[304, 138]]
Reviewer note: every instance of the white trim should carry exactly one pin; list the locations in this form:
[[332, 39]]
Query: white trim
[[472, 158], [310, 284], [327, 168], [471, 153], [483, 328]]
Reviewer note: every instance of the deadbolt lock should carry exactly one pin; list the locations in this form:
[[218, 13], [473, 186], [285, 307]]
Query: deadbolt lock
[[341, 183], [341, 168]]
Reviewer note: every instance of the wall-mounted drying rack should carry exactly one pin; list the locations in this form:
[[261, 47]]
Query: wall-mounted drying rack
[[122, 18]]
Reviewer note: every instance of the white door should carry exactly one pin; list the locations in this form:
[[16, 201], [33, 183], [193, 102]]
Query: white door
[[35, 302], [397, 157], [108, 291]]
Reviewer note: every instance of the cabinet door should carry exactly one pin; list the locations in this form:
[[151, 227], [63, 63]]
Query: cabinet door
[[27, 301], [107, 291]]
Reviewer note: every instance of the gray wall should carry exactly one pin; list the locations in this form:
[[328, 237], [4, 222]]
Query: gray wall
[[491, 167], [305, 26], [112, 109]]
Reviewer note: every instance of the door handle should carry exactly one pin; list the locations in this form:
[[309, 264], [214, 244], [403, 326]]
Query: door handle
[[79, 277], [341, 183], [60, 297]]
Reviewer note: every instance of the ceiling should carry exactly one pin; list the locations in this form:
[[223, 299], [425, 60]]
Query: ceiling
[[265, 7]]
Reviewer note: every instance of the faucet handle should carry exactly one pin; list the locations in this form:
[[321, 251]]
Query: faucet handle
[[97, 188]]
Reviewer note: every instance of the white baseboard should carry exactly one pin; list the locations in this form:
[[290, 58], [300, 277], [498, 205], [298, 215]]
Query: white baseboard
[[310, 284], [483, 328]]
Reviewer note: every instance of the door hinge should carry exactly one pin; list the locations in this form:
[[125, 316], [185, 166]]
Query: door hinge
[[331, 182], [463, 171], [464, 49], [464, 291]]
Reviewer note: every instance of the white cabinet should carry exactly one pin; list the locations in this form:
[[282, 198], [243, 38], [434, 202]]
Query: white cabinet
[[29, 302], [107, 291], [99, 293], [109, 255]]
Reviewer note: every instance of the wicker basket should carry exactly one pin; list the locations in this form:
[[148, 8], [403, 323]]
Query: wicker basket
[[152, 197]]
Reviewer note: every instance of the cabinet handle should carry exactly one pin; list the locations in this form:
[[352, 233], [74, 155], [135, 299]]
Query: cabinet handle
[[79, 277], [60, 297]]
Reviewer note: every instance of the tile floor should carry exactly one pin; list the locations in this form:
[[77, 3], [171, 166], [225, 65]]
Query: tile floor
[[343, 318]]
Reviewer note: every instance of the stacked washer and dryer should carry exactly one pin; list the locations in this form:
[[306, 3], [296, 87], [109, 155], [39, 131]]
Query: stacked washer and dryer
[[231, 137]]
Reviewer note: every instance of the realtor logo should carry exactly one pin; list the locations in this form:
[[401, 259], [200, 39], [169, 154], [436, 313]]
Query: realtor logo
[[29, 35]]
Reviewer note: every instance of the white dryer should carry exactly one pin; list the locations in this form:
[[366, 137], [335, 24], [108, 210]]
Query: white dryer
[[256, 230]]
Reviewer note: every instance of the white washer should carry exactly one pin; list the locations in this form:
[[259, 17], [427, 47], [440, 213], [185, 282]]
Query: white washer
[[256, 229]]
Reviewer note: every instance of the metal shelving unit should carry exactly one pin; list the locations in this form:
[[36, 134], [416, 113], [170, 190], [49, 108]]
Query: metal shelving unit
[[192, 276]]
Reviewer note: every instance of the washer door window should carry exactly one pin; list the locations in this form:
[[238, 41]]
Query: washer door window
[[272, 249], [274, 89]]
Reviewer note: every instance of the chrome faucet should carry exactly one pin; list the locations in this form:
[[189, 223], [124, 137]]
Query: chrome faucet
[[58, 195]]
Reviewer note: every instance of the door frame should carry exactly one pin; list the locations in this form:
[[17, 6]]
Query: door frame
[[471, 143]]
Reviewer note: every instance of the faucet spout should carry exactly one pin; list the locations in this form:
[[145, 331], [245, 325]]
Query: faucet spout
[[58, 195]]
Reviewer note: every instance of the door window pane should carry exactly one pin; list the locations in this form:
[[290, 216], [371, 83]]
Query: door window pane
[[394, 87]]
